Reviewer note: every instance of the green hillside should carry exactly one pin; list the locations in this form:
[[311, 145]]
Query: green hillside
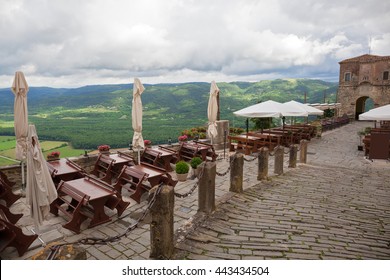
[[93, 115]]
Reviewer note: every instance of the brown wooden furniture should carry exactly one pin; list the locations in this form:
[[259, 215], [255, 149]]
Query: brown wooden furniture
[[70, 201], [247, 143], [103, 168], [13, 218], [6, 193], [12, 236], [119, 160], [151, 156], [132, 180], [64, 170], [142, 178], [206, 151]]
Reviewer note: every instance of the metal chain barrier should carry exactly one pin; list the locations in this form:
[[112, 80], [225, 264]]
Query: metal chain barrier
[[103, 241]]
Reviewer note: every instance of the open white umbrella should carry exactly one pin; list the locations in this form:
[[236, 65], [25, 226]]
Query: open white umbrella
[[20, 89], [378, 114], [309, 109], [212, 110], [136, 114], [40, 189], [269, 109]]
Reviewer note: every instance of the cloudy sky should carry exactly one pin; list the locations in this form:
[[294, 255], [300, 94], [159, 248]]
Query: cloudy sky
[[70, 43]]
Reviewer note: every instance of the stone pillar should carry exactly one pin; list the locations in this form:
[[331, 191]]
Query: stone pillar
[[303, 152], [279, 158], [236, 173], [263, 157], [218, 141], [206, 188], [293, 156], [161, 227]]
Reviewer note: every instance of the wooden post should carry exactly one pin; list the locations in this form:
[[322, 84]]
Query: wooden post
[[236, 173], [263, 157], [293, 156], [206, 188], [279, 157], [303, 152], [161, 227]]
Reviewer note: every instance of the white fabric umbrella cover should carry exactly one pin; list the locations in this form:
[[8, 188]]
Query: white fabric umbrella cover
[[212, 110], [138, 89], [378, 114], [20, 89], [40, 189]]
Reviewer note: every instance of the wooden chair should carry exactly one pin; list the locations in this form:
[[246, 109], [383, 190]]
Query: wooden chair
[[5, 179], [103, 167], [133, 181], [70, 202], [6, 193], [12, 236]]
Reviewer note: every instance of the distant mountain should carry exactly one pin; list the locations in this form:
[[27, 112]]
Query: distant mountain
[[101, 114]]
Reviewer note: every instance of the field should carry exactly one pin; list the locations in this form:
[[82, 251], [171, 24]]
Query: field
[[7, 149]]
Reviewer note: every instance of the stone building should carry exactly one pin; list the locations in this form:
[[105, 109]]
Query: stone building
[[363, 77]]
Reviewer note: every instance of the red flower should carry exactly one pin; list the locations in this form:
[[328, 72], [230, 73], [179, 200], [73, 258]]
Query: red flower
[[183, 138], [104, 148], [147, 142]]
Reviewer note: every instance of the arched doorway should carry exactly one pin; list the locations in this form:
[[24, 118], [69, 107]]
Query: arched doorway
[[363, 104]]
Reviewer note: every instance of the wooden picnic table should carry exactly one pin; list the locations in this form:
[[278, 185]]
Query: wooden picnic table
[[63, 169], [248, 143]]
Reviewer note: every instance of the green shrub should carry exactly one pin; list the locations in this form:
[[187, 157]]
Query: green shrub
[[195, 161], [182, 167]]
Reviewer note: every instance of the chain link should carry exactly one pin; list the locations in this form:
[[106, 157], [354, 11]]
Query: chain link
[[102, 241]]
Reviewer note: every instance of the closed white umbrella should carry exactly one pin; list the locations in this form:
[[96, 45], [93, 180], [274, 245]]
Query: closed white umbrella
[[20, 89], [40, 189], [378, 114], [136, 114], [212, 110]]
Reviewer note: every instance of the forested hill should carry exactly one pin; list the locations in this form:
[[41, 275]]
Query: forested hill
[[98, 114]]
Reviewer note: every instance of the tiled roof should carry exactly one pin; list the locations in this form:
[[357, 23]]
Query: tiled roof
[[366, 58]]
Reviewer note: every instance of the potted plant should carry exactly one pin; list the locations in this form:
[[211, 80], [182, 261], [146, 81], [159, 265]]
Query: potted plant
[[182, 138], [182, 168], [195, 162], [53, 155], [147, 143], [104, 149]]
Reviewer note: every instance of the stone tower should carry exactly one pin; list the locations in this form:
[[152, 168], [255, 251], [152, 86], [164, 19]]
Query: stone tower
[[363, 77]]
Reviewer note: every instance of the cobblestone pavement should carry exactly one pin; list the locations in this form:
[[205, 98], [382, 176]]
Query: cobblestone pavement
[[334, 207]]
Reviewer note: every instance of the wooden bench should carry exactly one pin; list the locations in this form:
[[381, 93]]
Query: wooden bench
[[115, 201], [6, 193], [13, 218], [12, 236], [70, 202], [151, 156], [187, 151], [103, 168], [210, 152], [134, 181]]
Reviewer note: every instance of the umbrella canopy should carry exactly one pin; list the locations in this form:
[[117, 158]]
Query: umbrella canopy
[[309, 109], [378, 114], [269, 109], [20, 89], [212, 110], [138, 89], [40, 189]]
